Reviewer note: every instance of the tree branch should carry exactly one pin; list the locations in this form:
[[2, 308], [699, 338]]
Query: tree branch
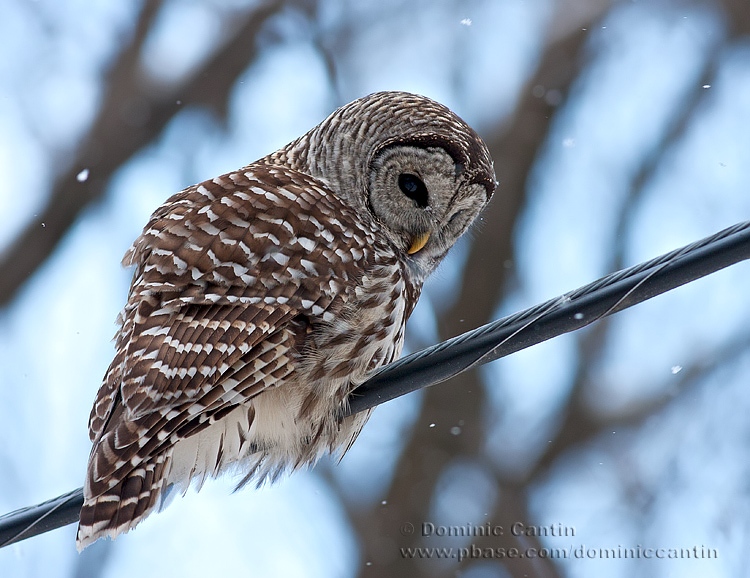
[[114, 137]]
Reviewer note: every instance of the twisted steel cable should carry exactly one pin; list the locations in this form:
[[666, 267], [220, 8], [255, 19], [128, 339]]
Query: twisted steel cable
[[440, 362]]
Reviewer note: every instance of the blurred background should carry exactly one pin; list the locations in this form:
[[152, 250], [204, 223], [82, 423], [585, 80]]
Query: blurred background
[[620, 130]]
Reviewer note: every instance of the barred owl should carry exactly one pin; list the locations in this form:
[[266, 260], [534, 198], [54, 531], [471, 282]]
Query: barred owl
[[263, 297]]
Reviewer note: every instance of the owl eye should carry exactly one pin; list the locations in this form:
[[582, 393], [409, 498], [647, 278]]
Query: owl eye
[[414, 188]]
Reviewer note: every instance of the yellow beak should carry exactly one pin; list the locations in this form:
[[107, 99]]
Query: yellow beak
[[418, 242]]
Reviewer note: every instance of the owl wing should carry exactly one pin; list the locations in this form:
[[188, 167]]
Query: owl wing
[[229, 277], [220, 268]]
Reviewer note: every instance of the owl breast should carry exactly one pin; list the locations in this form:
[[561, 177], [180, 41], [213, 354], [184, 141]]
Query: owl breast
[[282, 429]]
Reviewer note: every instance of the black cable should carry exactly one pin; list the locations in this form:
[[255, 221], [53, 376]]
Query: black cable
[[571, 311], [435, 364], [41, 518]]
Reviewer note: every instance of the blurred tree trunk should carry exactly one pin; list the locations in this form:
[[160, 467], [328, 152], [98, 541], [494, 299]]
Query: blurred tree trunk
[[430, 450]]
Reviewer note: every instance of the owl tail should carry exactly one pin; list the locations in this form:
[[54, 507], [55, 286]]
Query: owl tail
[[121, 507]]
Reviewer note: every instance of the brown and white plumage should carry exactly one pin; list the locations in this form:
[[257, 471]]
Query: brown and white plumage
[[261, 298]]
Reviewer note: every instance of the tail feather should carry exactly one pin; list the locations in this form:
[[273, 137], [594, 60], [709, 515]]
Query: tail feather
[[123, 506]]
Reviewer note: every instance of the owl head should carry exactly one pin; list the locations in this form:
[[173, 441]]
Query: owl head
[[416, 168]]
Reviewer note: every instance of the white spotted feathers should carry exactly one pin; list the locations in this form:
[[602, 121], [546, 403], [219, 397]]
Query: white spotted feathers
[[262, 298]]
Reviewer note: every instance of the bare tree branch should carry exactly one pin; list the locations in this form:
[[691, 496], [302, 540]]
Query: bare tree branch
[[737, 16], [690, 378], [579, 425], [114, 137]]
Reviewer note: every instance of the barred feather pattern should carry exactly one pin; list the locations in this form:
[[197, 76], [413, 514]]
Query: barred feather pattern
[[261, 298]]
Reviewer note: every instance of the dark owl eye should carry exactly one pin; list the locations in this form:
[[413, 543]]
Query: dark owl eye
[[414, 188]]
